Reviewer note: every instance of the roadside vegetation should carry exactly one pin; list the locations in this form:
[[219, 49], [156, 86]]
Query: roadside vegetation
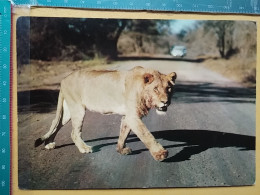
[[228, 47], [48, 74]]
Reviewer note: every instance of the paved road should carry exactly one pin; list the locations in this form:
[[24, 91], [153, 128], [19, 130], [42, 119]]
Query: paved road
[[209, 131]]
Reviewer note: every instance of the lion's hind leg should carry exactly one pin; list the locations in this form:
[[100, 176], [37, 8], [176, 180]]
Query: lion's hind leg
[[61, 118], [77, 117], [50, 136], [124, 132]]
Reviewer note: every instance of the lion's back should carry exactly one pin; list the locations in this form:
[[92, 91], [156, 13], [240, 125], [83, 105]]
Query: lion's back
[[101, 91]]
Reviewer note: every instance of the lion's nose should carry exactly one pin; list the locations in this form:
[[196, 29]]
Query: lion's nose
[[165, 103]]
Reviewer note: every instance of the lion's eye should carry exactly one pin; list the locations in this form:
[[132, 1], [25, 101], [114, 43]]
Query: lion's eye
[[156, 89]]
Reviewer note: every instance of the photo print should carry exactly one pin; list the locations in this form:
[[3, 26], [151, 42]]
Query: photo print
[[135, 103]]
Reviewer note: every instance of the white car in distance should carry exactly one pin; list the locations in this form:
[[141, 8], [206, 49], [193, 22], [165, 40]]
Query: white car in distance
[[178, 51]]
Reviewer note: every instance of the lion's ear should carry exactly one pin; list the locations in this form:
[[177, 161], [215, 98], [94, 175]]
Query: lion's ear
[[172, 77], [148, 78]]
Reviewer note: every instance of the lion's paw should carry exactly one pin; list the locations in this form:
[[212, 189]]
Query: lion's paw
[[124, 151], [86, 149], [50, 146], [160, 155]]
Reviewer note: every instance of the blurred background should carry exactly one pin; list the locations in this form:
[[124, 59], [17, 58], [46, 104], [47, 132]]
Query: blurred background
[[228, 47]]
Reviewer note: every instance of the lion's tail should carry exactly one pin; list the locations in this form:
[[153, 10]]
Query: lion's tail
[[55, 122]]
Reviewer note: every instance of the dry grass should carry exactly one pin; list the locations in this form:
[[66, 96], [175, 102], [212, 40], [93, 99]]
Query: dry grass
[[237, 69], [48, 75]]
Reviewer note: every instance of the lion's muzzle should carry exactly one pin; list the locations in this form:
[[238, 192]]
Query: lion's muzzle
[[162, 109], [163, 106]]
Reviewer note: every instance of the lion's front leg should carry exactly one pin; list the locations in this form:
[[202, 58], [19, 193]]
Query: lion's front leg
[[77, 113], [124, 132], [138, 127]]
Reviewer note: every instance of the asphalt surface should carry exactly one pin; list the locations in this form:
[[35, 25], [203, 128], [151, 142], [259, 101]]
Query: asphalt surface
[[209, 131]]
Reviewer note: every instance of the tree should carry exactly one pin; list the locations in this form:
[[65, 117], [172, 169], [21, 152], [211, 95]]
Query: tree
[[61, 37], [223, 30], [81, 38], [181, 35], [23, 45], [106, 36], [146, 33], [149, 27]]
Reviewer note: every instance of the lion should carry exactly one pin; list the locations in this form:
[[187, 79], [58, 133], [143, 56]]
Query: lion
[[128, 93]]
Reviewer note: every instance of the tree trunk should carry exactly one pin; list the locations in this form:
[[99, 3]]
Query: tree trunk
[[106, 45]]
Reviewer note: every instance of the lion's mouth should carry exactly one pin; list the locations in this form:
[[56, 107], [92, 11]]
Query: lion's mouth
[[162, 109]]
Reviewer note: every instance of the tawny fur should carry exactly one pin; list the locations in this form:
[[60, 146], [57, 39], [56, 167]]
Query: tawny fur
[[129, 93]]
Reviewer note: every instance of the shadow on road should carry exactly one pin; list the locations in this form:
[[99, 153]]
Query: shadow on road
[[40, 101], [197, 141], [195, 92], [192, 141], [167, 58]]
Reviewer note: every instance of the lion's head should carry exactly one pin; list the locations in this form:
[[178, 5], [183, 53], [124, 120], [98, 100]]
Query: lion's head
[[156, 90]]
